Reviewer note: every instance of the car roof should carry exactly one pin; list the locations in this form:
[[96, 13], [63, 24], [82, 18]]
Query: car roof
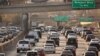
[[92, 48], [23, 40], [94, 42], [89, 52]]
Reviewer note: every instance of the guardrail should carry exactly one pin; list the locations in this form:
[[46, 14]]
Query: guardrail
[[9, 44]]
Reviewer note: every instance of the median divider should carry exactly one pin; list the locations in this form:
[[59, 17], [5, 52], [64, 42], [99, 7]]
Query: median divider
[[11, 43]]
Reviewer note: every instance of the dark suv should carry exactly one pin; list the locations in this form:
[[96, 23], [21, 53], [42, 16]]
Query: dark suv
[[51, 41], [92, 48], [72, 41]]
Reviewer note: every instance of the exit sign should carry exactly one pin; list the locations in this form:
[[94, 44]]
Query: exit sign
[[83, 4]]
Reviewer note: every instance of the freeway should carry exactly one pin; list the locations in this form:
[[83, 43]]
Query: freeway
[[80, 50], [39, 7]]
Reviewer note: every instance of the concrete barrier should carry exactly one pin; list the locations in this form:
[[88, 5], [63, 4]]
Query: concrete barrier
[[11, 43]]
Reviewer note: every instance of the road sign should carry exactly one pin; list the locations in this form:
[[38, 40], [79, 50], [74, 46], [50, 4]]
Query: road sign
[[83, 4], [61, 18]]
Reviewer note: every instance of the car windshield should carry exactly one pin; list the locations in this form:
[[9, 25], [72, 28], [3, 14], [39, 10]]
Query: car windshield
[[23, 42]]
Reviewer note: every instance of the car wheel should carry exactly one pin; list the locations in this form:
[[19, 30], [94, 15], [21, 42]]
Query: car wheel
[[54, 52], [18, 51]]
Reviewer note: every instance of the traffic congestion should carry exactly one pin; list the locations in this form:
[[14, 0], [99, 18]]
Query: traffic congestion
[[47, 40]]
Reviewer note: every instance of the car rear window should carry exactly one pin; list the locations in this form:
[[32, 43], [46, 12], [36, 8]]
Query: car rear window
[[23, 42], [29, 36], [49, 42], [31, 54], [90, 54], [71, 41]]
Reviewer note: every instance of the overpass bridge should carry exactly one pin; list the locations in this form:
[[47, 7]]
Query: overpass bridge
[[39, 7]]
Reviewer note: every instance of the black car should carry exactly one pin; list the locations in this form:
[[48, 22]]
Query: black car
[[51, 41], [89, 37], [32, 53], [72, 48], [67, 53], [95, 44], [92, 48], [72, 41], [89, 53]]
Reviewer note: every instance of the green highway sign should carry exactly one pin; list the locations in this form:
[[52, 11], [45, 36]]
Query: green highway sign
[[83, 4]]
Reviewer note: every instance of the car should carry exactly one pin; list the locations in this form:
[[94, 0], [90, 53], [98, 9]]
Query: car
[[92, 48], [49, 48], [23, 45], [4, 35], [67, 53], [31, 39], [54, 36], [78, 30], [89, 53], [95, 40], [2, 39], [89, 37], [50, 41], [32, 53], [39, 32], [67, 32], [10, 35], [72, 48], [3, 28], [85, 32], [70, 35], [95, 44], [40, 51], [34, 33], [72, 41], [56, 40], [2, 54]]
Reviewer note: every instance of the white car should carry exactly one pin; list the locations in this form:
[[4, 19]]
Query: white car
[[31, 39], [72, 35], [23, 45], [2, 54], [49, 48]]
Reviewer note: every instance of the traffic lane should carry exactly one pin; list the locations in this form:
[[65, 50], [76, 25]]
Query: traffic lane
[[60, 48], [12, 50], [82, 46]]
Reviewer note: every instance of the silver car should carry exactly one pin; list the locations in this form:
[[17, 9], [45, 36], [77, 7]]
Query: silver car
[[49, 48]]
